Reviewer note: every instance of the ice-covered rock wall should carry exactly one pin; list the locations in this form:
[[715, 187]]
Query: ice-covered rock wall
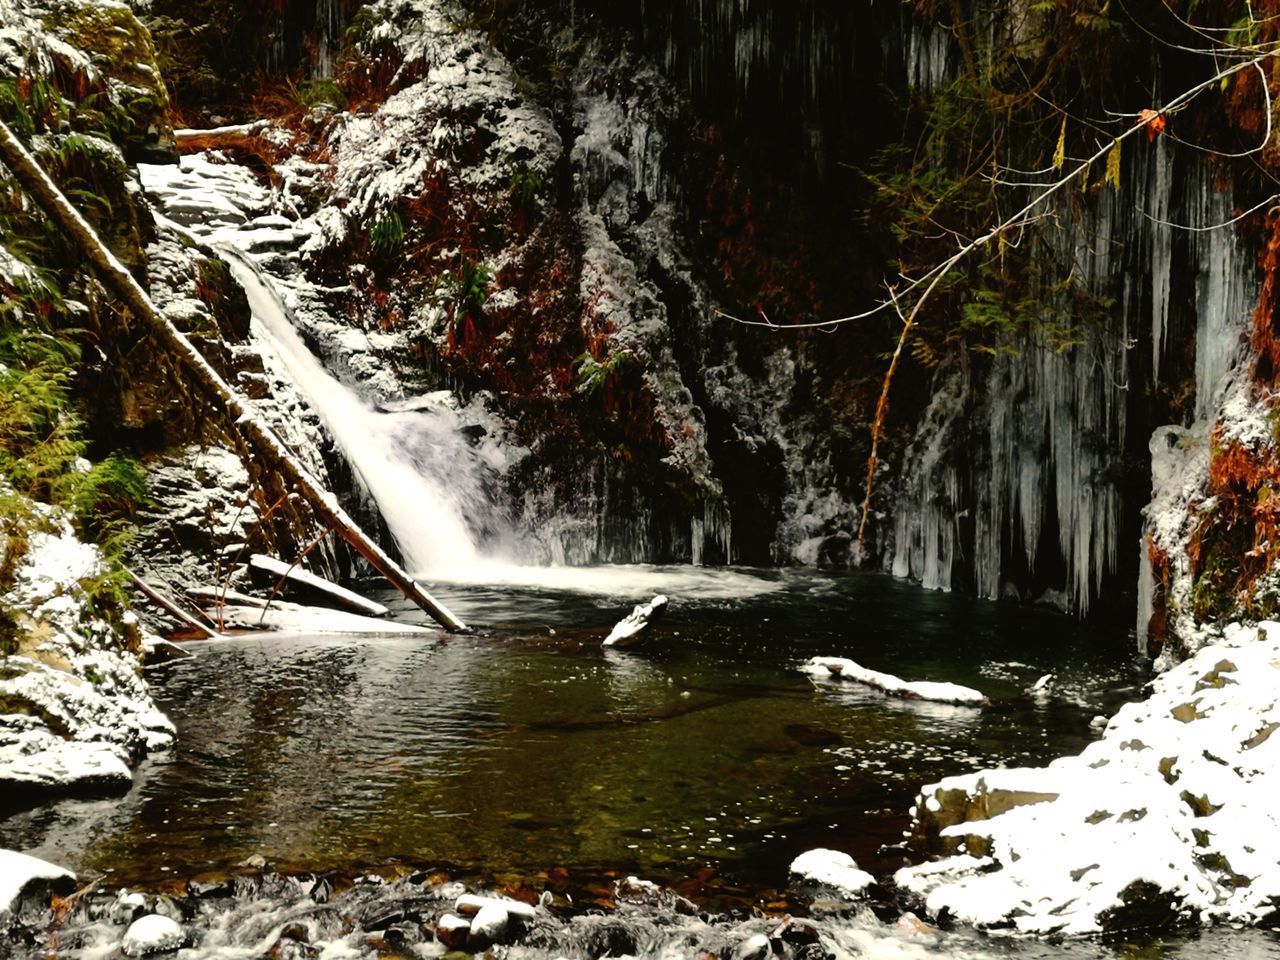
[[1028, 471]]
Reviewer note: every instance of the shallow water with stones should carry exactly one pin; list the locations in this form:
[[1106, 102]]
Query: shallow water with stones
[[525, 757]]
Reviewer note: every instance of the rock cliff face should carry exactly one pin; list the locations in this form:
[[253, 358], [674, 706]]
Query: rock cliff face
[[547, 210]]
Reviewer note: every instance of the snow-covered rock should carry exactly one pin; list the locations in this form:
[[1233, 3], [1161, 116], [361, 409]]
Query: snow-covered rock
[[1174, 805], [22, 876], [452, 930], [470, 905], [488, 926], [77, 712], [841, 668], [628, 631], [831, 868], [152, 934]]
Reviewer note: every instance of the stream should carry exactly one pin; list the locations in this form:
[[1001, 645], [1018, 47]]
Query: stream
[[525, 758]]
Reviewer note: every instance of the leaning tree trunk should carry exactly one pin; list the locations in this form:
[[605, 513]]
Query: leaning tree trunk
[[243, 419]]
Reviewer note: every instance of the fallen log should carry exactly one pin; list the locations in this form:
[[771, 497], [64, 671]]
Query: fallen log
[[240, 414], [160, 600], [275, 571]]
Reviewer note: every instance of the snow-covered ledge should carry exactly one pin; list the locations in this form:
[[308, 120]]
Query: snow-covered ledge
[[1172, 813], [74, 710]]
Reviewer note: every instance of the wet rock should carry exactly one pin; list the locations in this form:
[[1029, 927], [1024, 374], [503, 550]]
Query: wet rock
[[453, 931], [836, 551], [488, 926], [794, 931], [199, 890], [289, 948], [153, 934], [646, 893], [127, 907], [1147, 908], [910, 924], [607, 936], [629, 630]]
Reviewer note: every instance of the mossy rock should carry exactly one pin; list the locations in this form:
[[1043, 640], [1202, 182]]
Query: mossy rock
[[120, 49]]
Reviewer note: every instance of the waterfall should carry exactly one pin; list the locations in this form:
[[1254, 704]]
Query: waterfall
[[329, 24], [416, 465]]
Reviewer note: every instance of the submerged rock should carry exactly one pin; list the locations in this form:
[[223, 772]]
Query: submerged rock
[[629, 630]]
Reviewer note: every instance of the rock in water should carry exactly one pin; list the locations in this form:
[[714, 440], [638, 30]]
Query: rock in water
[[1042, 687], [470, 905], [24, 877], [152, 934], [453, 931], [831, 868], [488, 926], [628, 631]]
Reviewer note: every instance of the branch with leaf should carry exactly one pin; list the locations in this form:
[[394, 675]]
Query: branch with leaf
[[908, 296]]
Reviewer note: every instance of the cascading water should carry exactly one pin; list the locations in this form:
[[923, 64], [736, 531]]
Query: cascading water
[[415, 465], [433, 486]]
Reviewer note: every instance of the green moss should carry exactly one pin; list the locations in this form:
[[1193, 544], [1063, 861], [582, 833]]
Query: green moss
[[1214, 596], [121, 51]]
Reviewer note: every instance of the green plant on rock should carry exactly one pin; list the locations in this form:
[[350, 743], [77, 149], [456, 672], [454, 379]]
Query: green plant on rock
[[527, 189], [595, 375], [319, 92], [387, 234], [464, 292]]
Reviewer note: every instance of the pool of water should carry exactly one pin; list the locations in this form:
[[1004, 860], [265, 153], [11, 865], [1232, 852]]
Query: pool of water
[[523, 748], [525, 755]]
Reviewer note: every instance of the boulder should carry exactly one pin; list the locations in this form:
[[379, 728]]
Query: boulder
[[453, 931], [831, 868], [27, 879], [488, 926]]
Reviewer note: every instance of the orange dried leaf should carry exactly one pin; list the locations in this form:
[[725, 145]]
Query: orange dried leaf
[[1154, 121]]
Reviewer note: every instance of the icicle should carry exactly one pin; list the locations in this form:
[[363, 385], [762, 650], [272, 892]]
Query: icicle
[[1161, 252]]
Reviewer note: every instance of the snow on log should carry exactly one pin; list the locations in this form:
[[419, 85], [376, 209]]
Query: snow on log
[[297, 620], [840, 668], [268, 570], [229, 132], [628, 631], [834, 869]]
